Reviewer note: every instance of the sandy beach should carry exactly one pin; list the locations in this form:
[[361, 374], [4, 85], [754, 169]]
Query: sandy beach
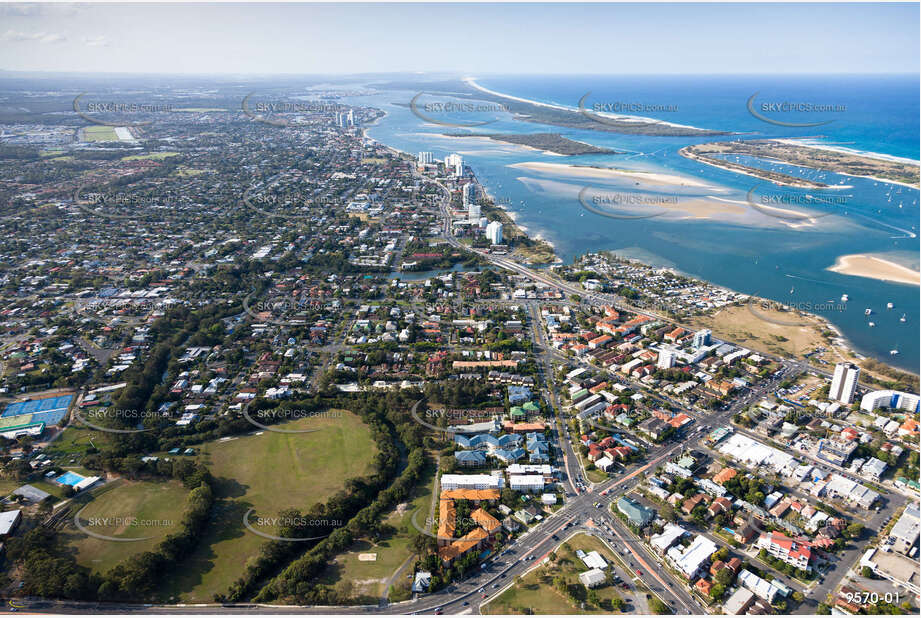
[[581, 171], [470, 81], [861, 265], [488, 141]]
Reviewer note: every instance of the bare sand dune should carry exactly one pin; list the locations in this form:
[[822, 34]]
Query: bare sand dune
[[584, 171], [861, 265]]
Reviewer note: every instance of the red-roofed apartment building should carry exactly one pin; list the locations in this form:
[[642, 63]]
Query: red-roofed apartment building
[[675, 334], [792, 552]]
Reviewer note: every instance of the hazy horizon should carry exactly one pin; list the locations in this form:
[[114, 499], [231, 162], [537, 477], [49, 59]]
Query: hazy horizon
[[361, 39]]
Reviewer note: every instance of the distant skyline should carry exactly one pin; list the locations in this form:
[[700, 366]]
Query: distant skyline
[[471, 39]]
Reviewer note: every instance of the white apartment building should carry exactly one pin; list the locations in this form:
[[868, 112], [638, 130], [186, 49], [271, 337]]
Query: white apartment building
[[844, 383], [472, 481], [494, 232], [666, 359]]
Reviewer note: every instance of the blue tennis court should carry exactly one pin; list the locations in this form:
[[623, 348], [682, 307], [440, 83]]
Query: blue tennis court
[[49, 410], [69, 478], [49, 418]]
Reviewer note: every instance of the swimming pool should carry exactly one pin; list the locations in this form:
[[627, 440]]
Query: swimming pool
[[69, 478]]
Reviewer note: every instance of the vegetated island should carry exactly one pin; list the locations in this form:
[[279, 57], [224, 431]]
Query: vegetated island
[[547, 142], [805, 156], [552, 115]]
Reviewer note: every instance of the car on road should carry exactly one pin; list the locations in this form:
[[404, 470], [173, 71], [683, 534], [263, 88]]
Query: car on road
[[638, 572]]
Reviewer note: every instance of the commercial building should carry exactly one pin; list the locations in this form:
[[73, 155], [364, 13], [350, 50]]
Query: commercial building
[[739, 602], [841, 487], [636, 513], [9, 520], [30, 493], [592, 578], [898, 569], [904, 533], [594, 560], [670, 535], [754, 453], [691, 561]]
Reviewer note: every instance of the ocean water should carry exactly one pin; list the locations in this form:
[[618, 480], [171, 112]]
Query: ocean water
[[880, 113], [740, 248]]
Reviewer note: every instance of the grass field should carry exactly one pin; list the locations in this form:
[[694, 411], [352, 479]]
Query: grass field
[[268, 471], [594, 475], [153, 156], [368, 578], [73, 443], [156, 506], [52, 488], [536, 591], [99, 133], [188, 173], [7, 486], [802, 335]]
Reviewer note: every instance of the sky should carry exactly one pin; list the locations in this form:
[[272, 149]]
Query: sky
[[469, 39]]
